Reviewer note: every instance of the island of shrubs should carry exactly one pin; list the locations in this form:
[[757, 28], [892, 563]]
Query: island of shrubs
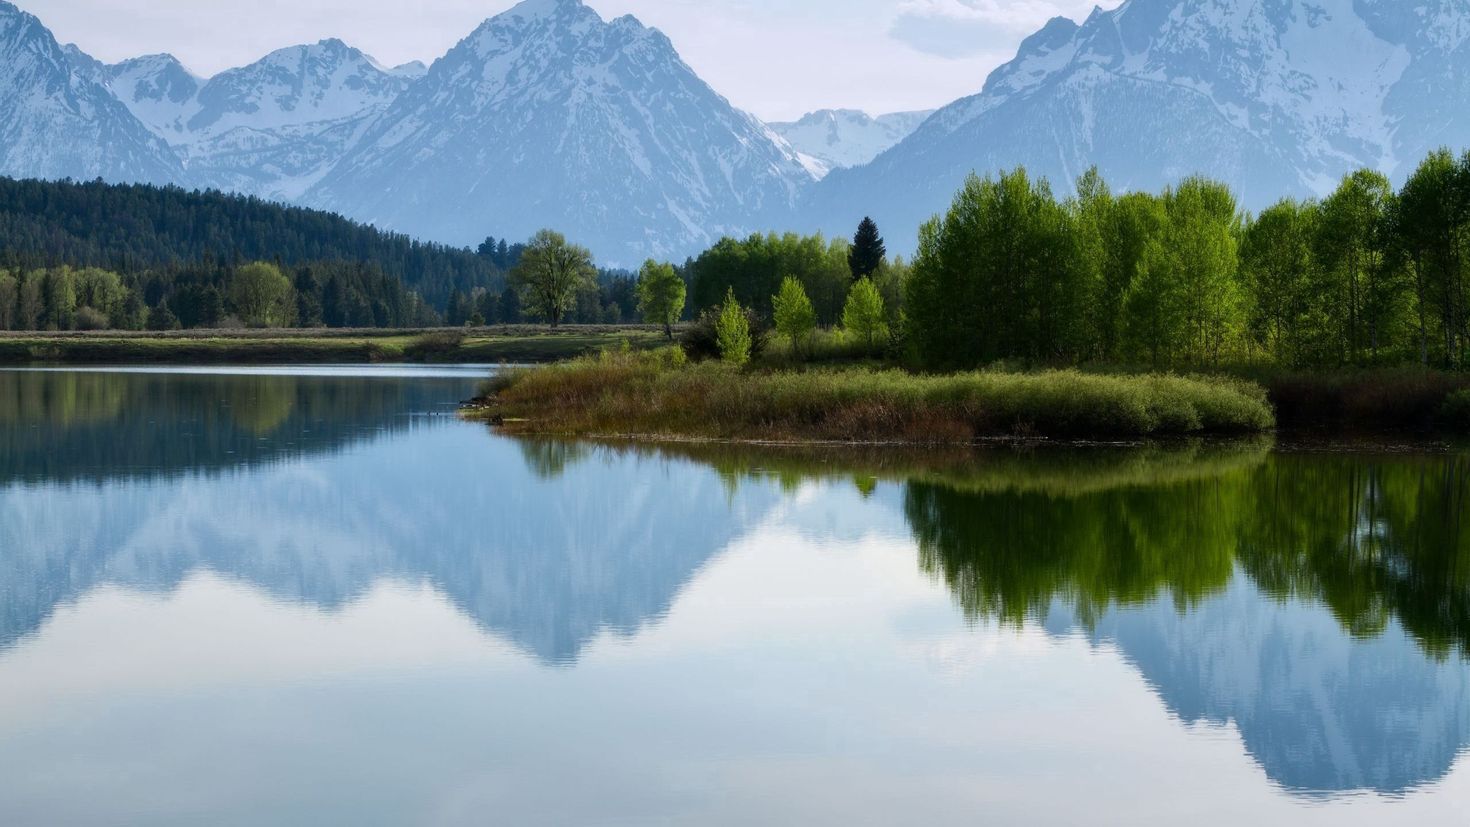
[[1100, 313]]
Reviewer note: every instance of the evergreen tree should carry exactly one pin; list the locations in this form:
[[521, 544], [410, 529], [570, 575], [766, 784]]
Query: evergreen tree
[[161, 318], [867, 252], [509, 311]]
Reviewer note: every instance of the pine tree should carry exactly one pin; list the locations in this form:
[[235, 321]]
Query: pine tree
[[867, 251]]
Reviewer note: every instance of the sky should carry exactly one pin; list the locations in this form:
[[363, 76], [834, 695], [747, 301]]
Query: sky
[[775, 58]]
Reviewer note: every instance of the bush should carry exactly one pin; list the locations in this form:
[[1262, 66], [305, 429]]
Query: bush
[[701, 340], [435, 344], [90, 318]]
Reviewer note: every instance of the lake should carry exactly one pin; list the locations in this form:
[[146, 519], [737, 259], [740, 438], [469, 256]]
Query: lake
[[316, 596]]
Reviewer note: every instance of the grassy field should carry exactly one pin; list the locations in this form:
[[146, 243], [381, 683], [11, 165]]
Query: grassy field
[[511, 344], [657, 395]]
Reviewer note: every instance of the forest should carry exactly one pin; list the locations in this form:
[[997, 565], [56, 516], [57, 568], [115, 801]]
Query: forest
[[1368, 276], [77, 256]]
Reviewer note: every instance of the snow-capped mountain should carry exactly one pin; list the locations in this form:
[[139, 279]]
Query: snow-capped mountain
[[1275, 97], [831, 139], [58, 119], [272, 128], [549, 116]]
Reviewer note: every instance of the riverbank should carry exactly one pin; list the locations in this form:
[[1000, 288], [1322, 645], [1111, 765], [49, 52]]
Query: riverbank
[[521, 344], [658, 395]]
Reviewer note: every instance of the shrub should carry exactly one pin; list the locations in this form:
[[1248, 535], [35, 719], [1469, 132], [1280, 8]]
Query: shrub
[[732, 331], [436, 343], [700, 341], [90, 318], [644, 393]]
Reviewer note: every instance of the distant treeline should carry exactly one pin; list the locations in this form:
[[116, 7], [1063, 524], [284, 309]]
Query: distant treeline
[[95, 255], [131, 229]]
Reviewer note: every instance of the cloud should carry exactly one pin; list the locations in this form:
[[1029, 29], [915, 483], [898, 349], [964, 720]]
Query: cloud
[[967, 28]]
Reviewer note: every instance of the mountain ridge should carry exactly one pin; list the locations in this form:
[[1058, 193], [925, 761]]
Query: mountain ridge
[[1274, 97]]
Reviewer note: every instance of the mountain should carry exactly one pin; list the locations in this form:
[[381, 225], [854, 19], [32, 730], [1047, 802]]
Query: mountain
[[58, 119], [831, 139], [1320, 710], [272, 128], [1274, 97], [549, 116]]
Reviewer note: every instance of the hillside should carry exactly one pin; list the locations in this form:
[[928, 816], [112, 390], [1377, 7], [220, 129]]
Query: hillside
[[135, 227]]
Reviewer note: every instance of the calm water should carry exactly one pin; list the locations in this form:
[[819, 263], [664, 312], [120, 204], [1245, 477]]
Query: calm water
[[316, 597]]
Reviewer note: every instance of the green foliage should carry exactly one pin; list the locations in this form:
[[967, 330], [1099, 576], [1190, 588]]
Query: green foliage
[[550, 274], [262, 295], [160, 318], [1278, 267], [732, 332], [864, 315], [755, 267], [997, 277], [793, 313], [661, 294]]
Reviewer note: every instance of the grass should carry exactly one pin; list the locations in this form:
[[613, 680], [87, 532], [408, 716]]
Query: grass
[[656, 395], [514, 343]]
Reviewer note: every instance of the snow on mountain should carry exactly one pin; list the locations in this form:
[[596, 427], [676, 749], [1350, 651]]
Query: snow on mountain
[[1275, 97], [839, 138], [413, 70], [58, 119], [272, 128], [159, 91], [549, 116]]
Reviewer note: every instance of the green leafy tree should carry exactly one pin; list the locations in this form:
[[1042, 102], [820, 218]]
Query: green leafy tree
[[59, 290], [795, 319], [732, 331], [864, 316], [997, 277], [1187, 306], [262, 295], [755, 267], [1278, 267], [550, 274], [1431, 222], [1357, 278], [661, 295], [867, 252]]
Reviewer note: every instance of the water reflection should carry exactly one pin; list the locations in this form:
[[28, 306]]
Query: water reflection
[[1317, 604], [1209, 567]]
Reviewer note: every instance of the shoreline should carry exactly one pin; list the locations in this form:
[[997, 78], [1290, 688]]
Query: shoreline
[[522, 344]]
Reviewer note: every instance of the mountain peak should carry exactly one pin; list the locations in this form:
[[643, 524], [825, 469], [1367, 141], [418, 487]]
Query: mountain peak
[[544, 8], [547, 115]]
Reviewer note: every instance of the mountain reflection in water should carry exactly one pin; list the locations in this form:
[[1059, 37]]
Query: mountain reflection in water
[[1318, 603]]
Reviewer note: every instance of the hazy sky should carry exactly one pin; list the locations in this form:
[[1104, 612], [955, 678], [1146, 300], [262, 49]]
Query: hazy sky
[[775, 58]]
